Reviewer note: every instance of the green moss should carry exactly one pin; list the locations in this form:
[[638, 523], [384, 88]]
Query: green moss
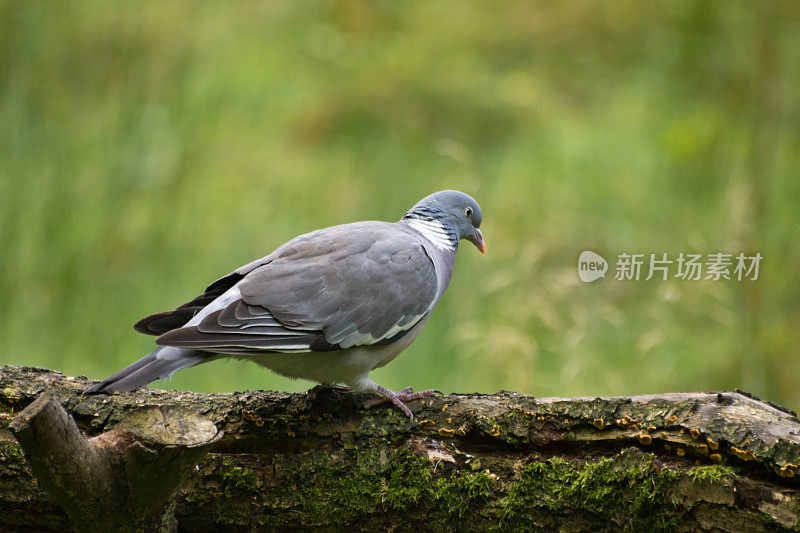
[[456, 495], [401, 482], [711, 473], [405, 485], [352, 488], [9, 450], [356, 487], [12, 460], [237, 478], [627, 490]]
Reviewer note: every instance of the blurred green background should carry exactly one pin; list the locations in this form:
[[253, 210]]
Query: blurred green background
[[147, 149]]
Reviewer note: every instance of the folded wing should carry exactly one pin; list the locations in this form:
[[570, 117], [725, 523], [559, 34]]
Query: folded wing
[[359, 284]]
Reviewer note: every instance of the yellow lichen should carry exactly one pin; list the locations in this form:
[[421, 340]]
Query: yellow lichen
[[701, 449], [446, 432], [624, 422], [744, 455]]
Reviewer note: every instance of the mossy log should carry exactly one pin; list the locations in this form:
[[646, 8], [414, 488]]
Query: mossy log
[[127, 475], [690, 461]]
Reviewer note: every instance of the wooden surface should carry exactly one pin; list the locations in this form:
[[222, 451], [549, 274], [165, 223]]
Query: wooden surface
[[689, 461], [121, 480]]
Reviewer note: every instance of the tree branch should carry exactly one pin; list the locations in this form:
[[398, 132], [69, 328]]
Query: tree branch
[[126, 476], [700, 461]]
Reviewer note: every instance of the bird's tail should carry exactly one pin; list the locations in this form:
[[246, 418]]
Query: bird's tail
[[161, 363]]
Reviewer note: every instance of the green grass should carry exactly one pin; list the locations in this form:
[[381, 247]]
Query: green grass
[[145, 152]]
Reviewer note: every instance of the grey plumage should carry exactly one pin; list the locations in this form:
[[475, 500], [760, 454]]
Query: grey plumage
[[329, 305]]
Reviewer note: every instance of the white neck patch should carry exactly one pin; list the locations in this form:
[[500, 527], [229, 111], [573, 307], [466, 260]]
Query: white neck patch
[[434, 231]]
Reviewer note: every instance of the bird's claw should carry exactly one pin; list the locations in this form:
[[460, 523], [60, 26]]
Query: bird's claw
[[398, 398]]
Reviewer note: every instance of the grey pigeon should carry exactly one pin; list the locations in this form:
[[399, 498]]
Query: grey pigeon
[[328, 306]]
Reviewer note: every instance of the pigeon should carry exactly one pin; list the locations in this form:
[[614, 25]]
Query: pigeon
[[328, 306]]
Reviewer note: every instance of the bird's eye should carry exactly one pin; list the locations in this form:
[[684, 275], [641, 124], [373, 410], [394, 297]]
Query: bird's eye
[[468, 211]]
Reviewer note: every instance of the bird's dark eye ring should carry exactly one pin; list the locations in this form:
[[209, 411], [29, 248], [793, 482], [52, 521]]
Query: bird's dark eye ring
[[468, 211]]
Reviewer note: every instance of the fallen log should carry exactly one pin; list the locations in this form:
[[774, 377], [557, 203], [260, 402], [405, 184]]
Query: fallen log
[[121, 480], [692, 461]]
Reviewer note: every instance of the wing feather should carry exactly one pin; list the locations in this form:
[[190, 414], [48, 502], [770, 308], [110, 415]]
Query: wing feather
[[160, 323], [358, 284]]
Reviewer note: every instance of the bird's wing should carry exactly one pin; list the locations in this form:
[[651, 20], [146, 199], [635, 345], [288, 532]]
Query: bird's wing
[[359, 284], [160, 323]]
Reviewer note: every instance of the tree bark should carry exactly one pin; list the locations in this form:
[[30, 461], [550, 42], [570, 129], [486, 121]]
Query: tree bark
[[127, 475], [690, 461]]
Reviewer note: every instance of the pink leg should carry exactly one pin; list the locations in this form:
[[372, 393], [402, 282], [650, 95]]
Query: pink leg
[[397, 398]]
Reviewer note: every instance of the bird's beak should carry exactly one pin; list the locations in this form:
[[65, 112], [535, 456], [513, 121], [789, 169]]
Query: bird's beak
[[477, 239]]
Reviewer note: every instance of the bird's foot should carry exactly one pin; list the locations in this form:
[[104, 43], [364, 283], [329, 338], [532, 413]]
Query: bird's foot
[[398, 398]]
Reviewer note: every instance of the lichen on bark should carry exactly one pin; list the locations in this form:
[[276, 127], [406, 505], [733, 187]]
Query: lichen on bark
[[485, 462]]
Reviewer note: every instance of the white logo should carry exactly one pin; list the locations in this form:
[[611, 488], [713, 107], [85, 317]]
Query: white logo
[[591, 266]]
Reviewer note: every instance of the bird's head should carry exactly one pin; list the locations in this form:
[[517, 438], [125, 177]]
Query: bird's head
[[458, 213]]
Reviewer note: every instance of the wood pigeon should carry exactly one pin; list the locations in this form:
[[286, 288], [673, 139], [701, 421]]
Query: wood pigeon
[[328, 306]]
